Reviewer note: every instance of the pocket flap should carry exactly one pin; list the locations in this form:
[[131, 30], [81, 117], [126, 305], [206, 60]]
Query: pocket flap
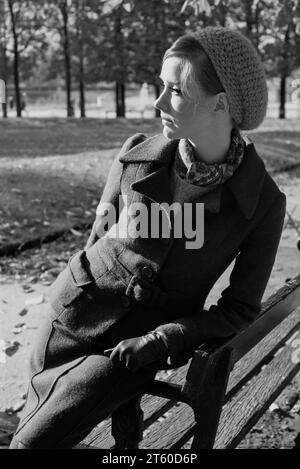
[[79, 272]]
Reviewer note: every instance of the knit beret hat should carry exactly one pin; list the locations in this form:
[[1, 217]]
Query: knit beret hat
[[241, 73]]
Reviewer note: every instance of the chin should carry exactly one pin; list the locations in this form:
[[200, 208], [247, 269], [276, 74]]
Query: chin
[[170, 133]]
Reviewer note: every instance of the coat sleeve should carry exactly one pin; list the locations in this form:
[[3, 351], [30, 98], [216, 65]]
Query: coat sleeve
[[111, 192], [240, 302]]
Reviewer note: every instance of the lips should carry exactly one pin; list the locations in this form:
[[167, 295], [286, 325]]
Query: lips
[[164, 119]]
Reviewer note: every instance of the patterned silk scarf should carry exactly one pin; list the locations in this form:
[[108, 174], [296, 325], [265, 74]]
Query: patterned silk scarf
[[200, 173]]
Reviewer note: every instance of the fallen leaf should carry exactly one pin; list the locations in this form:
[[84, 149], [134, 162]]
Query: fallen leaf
[[23, 312], [35, 300], [33, 279], [75, 232], [19, 328], [11, 348], [273, 407], [27, 288]]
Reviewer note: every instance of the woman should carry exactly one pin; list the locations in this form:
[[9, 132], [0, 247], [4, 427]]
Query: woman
[[142, 295]]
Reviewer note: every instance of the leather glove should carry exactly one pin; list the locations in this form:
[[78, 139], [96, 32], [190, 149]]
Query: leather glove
[[140, 351]]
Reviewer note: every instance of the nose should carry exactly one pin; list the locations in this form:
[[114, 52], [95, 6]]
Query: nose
[[160, 102]]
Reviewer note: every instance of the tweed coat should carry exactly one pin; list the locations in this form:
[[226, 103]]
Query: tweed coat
[[130, 285]]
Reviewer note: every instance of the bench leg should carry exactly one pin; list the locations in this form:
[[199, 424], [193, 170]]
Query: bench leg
[[206, 391], [208, 410], [127, 424]]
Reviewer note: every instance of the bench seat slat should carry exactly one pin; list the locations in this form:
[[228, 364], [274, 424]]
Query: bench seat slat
[[164, 433], [248, 405]]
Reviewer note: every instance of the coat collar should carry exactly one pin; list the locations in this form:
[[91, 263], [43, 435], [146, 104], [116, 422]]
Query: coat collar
[[245, 184]]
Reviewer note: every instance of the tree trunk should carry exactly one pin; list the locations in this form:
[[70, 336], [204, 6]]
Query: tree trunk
[[249, 18], [81, 86], [16, 60], [117, 99], [282, 96], [120, 85], [157, 93], [123, 99], [65, 16], [159, 15], [222, 14], [284, 73], [4, 110], [3, 45], [120, 99], [4, 105], [80, 26]]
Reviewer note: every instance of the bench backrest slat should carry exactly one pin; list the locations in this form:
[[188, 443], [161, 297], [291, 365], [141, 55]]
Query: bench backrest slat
[[274, 310]]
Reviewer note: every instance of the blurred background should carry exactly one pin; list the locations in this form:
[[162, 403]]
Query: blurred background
[[102, 58]]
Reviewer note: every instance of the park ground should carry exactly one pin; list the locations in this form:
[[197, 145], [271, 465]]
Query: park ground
[[52, 172]]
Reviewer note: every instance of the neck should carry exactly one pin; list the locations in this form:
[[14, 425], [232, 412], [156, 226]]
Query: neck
[[213, 147]]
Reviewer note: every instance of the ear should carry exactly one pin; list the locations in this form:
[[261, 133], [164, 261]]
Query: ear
[[221, 103]]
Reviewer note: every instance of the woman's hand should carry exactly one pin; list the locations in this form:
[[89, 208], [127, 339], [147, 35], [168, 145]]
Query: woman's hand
[[139, 351]]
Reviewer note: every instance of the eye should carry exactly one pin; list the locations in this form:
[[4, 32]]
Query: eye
[[177, 91], [174, 89]]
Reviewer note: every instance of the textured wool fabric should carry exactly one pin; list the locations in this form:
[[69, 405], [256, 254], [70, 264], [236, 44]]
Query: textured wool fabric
[[241, 73], [183, 191], [205, 174]]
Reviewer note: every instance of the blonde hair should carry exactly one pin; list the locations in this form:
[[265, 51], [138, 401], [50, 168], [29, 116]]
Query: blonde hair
[[195, 67]]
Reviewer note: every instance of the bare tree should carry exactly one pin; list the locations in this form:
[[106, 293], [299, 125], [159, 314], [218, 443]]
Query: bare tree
[[63, 6], [26, 29], [3, 51]]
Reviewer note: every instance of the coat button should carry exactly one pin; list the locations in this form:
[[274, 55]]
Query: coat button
[[147, 272], [125, 301]]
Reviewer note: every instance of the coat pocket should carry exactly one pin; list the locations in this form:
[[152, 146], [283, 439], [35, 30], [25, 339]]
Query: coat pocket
[[70, 283]]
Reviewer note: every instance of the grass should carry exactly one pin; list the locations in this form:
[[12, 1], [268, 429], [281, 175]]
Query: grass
[[52, 171], [48, 137]]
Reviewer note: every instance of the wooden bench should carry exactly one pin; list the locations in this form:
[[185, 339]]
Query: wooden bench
[[214, 400]]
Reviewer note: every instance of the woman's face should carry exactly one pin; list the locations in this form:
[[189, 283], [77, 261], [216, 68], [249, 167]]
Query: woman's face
[[183, 117]]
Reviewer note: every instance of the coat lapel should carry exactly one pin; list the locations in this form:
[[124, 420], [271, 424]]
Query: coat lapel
[[155, 185]]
